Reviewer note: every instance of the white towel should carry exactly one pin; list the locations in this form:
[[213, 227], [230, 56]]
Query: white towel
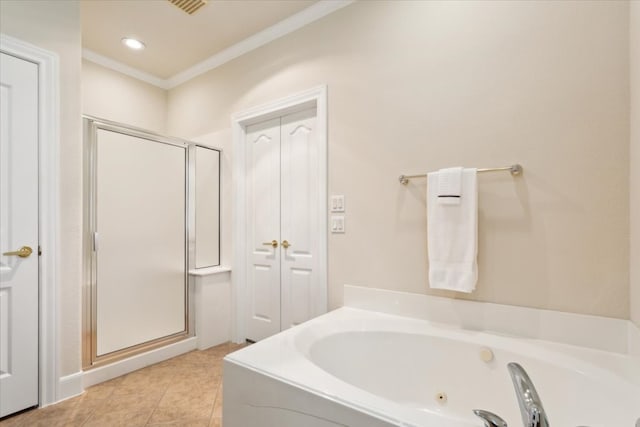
[[452, 232], [449, 186]]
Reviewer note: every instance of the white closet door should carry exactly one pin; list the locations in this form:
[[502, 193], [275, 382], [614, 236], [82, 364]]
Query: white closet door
[[300, 218], [263, 209], [18, 229], [141, 245]]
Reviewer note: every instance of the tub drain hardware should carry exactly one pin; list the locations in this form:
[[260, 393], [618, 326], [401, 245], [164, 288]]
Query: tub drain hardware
[[441, 397], [486, 355]]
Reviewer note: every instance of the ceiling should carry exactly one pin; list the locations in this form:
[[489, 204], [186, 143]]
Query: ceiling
[[176, 41]]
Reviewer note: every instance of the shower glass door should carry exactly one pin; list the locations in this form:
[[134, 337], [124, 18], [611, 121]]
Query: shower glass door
[[138, 240]]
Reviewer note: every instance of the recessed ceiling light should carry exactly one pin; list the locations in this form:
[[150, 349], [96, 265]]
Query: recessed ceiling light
[[133, 43]]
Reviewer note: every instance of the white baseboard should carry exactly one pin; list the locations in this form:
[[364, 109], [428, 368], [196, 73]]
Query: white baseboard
[[69, 386], [121, 367]]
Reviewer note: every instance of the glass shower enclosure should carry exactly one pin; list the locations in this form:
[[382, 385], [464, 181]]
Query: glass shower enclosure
[[140, 238]]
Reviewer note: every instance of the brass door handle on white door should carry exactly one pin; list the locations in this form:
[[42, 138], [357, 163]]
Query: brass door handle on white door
[[285, 244], [273, 244], [23, 252]]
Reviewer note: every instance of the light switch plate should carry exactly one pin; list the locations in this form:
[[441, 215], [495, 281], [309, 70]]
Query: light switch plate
[[337, 203], [337, 223]]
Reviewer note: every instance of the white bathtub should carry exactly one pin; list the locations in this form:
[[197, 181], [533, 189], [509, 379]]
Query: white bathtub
[[355, 367]]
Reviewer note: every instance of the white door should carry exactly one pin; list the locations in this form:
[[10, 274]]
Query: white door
[[18, 234], [300, 224], [263, 228], [284, 227]]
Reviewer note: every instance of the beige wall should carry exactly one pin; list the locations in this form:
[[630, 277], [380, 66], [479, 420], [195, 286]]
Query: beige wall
[[634, 37], [416, 86], [110, 95], [55, 26]]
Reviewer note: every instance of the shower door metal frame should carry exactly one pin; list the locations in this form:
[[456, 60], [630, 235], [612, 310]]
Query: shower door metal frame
[[91, 125]]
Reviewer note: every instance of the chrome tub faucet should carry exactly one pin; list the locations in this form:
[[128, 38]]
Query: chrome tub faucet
[[531, 409]]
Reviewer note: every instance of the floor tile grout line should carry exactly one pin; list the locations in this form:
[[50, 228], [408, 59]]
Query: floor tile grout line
[[89, 417], [158, 402], [213, 406]]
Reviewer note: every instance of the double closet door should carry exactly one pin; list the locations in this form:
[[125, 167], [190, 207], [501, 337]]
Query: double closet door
[[283, 224]]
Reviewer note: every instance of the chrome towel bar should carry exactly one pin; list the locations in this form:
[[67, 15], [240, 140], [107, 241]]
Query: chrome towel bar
[[514, 169]]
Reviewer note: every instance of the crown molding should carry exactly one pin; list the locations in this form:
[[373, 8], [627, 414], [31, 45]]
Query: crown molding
[[112, 64], [282, 28], [294, 22]]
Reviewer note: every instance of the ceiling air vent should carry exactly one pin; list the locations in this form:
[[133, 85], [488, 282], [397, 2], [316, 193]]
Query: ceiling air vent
[[189, 6]]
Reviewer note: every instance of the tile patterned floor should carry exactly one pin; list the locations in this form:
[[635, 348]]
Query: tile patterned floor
[[183, 391]]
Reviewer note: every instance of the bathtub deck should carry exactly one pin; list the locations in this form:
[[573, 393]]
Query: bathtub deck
[[281, 376]]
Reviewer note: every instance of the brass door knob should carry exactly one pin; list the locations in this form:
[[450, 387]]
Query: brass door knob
[[23, 252], [285, 244], [273, 244]]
